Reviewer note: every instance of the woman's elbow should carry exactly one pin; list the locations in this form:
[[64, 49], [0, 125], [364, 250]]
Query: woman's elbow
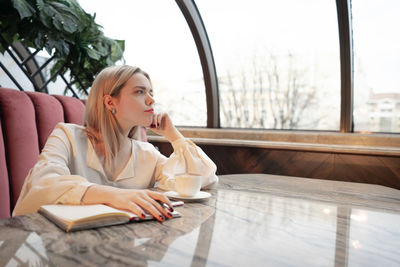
[[210, 182]]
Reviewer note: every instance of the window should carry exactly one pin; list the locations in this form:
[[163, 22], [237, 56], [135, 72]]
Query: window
[[385, 124], [277, 62], [158, 39], [15, 71], [376, 63]]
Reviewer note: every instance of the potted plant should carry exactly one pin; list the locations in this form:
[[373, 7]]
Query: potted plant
[[61, 27]]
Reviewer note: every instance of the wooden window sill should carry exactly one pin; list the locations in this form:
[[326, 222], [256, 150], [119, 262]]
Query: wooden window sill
[[348, 143]]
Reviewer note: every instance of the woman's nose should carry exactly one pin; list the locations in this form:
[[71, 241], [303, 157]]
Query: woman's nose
[[149, 100]]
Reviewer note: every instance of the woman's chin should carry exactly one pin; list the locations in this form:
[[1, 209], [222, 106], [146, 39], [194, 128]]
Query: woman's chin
[[147, 124]]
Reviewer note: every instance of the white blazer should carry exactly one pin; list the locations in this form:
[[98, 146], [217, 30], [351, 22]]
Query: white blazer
[[68, 165]]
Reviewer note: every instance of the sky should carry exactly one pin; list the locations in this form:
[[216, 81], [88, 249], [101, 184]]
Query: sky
[[159, 41], [157, 36], [377, 44]]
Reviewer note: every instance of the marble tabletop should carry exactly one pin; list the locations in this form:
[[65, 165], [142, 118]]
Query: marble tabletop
[[250, 220]]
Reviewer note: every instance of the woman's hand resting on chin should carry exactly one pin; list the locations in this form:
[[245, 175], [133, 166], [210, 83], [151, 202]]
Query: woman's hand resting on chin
[[163, 125]]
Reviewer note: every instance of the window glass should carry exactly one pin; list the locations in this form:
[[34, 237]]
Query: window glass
[[277, 62], [376, 65], [15, 71], [158, 40]]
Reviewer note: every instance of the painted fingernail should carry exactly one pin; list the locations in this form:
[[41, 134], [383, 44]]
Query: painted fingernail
[[162, 218], [166, 206], [152, 126], [169, 214], [143, 216]]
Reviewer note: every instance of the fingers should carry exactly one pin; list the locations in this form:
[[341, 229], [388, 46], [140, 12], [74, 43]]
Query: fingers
[[149, 207], [152, 202], [134, 208], [154, 121], [161, 198], [141, 201], [159, 121], [161, 210]]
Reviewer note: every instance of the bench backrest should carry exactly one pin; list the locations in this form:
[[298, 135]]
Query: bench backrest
[[26, 121]]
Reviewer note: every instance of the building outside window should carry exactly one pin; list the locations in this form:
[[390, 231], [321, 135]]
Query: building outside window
[[376, 65], [384, 112]]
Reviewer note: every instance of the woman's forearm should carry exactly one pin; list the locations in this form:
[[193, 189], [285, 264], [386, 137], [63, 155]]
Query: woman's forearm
[[173, 135], [98, 194]]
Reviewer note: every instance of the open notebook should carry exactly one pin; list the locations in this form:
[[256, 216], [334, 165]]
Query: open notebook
[[79, 217]]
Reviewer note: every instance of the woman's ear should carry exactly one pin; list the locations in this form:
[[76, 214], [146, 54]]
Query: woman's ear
[[109, 102]]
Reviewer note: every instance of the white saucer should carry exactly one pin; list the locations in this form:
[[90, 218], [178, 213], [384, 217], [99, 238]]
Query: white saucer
[[198, 196]]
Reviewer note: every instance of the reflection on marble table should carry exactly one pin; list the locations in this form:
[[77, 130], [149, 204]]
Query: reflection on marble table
[[250, 220]]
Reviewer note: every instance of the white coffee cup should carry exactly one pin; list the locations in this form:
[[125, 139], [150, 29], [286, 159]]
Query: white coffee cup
[[188, 185]]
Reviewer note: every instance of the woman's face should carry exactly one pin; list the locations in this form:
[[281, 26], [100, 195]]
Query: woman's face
[[134, 105]]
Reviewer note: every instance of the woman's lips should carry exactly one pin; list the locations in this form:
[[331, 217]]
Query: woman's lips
[[150, 110]]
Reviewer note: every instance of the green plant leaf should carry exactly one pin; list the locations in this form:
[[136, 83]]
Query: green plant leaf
[[121, 44], [102, 50], [44, 17], [24, 8], [93, 54], [64, 30], [116, 51], [39, 40]]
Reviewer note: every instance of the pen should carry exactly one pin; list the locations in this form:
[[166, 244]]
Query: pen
[[173, 204], [165, 206]]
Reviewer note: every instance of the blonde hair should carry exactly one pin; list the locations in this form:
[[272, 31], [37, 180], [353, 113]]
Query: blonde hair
[[100, 123]]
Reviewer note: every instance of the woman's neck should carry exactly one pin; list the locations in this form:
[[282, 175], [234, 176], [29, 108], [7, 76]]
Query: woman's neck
[[118, 161], [99, 146]]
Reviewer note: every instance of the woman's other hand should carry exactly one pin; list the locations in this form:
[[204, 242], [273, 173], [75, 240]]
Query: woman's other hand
[[138, 202], [162, 125]]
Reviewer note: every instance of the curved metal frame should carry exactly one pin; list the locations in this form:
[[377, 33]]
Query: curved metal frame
[[28, 64], [196, 25], [346, 65], [32, 66]]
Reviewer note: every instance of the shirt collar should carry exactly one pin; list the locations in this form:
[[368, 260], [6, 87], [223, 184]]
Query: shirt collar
[[93, 162], [129, 169]]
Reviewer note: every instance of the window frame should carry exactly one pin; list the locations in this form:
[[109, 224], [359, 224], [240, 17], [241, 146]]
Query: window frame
[[196, 25], [199, 32]]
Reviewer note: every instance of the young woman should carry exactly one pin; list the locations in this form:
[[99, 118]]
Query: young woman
[[101, 162]]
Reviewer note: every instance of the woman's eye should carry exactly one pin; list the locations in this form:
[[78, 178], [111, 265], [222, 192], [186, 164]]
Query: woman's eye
[[140, 92]]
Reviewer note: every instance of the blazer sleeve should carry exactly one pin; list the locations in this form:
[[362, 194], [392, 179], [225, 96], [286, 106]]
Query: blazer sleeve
[[50, 180], [186, 158]]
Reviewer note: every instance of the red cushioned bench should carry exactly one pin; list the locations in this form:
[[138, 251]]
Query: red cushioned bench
[[26, 120]]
